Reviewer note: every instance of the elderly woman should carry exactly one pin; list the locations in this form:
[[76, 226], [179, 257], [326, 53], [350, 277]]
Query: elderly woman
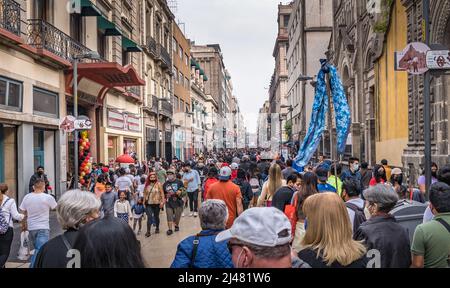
[[201, 250], [382, 232], [75, 208]]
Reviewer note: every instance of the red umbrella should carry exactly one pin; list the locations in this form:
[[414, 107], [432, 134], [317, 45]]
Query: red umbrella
[[125, 159]]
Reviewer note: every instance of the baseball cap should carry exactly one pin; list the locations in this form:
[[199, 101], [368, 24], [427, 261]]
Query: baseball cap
[[322, 173], [225, 173], [396, 171], [234, 166], [259, 226]]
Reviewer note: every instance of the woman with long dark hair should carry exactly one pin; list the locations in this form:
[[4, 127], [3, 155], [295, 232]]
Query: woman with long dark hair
[[153, 201], [108, 243], [308, 188], [379, 175]]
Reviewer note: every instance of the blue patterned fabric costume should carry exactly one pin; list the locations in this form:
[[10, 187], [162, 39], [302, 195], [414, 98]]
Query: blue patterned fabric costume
[[319, 110]]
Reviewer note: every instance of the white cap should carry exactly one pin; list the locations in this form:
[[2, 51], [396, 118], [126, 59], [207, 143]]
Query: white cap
[[234, 166], [225, 173], [259, 226]]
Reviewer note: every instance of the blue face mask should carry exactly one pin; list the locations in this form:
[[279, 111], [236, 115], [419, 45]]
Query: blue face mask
[[355, 167]]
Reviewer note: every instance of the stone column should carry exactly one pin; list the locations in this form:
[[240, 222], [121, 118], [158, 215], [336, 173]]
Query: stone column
[[25, 159]]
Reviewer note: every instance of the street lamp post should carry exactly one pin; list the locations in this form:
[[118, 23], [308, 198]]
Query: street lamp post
[[90, 55]]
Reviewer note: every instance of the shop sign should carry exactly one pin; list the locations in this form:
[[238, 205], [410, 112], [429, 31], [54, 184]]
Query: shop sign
[[123, 121], [413, 59], [439, 59], [83, 124]]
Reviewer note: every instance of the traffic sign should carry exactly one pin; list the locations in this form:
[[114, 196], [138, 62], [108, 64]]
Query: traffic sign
[[439, 59]]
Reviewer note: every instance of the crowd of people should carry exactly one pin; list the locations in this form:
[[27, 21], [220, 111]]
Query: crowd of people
[[253, 212]]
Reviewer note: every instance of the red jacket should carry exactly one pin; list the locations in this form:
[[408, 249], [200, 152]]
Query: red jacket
[[233, 174]]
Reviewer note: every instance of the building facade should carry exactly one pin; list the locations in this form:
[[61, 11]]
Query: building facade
[[278, 85], [210, 59], [309, 31], [157, 36], [182, 97], [354, 46], [264, 128], [413, 156], [391, 91], [199, 108], [39, 41]]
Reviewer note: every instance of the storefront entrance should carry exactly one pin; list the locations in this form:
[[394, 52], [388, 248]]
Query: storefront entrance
[[8, 157], [44, 152]]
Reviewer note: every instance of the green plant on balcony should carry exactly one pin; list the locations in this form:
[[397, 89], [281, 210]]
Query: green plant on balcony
[[382, 24], [288, 128]]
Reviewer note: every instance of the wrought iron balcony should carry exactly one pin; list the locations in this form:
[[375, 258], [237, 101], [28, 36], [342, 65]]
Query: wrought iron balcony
[[165, 57], [43, 35], [10, 16], [166, 109], [152, 47], [152, 104]]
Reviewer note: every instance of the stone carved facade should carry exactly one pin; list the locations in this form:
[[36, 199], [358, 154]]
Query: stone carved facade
[[413, 156], [354, 47]]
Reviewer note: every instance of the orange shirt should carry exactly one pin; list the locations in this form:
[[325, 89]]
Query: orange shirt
[[229, 193], [99, 189]]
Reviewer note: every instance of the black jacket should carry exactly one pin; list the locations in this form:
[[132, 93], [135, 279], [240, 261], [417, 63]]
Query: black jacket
[[246, 191], [387, 236], [282, 197], [36, 177]]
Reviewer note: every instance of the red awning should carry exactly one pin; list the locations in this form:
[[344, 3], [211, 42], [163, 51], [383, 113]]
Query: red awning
[[110, 74], [125, 159]]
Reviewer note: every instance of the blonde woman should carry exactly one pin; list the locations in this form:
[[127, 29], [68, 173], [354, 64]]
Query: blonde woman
[[328, 239], [271, 186]]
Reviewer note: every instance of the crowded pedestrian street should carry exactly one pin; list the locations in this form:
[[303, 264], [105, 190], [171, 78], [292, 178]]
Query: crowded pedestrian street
[[158, 251], [204, 137]]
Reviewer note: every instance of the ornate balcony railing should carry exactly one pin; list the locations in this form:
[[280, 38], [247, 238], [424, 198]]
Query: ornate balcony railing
[[10, 16], [152, 47], [165, 57], [166, 109], [43, 35]]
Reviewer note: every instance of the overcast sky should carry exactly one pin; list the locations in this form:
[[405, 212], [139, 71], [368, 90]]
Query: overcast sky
[[246, 31]]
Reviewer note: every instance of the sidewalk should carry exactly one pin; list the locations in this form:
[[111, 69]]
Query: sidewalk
[[158, 250]]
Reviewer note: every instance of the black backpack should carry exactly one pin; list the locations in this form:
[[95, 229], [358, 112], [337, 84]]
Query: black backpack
[[360, 217]]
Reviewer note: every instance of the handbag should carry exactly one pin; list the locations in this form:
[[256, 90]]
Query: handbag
[[24, 250], [4, 224], [291, 212]]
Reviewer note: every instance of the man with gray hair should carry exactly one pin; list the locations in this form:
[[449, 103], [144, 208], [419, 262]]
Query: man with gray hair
[[201, 250], [259, 238], [75, 208], [381, 231]]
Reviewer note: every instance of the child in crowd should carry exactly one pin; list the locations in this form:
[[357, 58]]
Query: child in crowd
[[138, 212]]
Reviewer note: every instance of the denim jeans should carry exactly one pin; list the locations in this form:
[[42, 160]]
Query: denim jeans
[[38, 238], [152, 211]]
